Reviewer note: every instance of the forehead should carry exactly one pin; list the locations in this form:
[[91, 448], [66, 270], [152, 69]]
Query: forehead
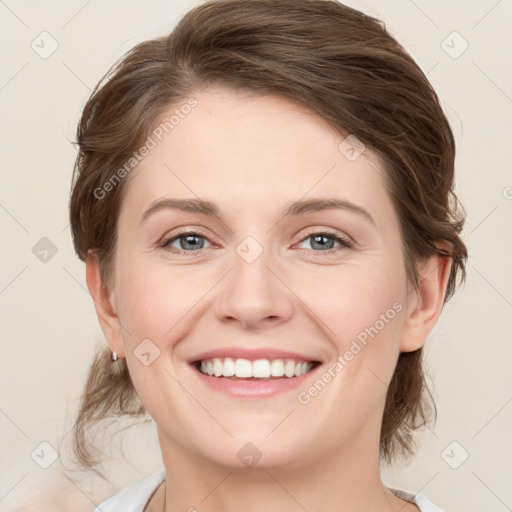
[[253, 152]]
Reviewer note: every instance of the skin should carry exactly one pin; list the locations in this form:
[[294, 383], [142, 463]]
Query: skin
[[252, 156]]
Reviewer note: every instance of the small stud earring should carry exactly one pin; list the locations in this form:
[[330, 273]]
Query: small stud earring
[[114, 356]]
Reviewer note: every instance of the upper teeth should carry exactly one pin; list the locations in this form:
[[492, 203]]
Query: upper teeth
[[260, 368]]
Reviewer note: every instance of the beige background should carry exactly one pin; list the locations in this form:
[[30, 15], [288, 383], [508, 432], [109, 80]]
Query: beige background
[[49, 327]]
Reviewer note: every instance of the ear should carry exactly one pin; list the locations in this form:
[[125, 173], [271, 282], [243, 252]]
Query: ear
[[425, 304], [104, 303]]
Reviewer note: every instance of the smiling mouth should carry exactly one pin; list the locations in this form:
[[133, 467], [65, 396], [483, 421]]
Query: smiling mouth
[[259, 369]]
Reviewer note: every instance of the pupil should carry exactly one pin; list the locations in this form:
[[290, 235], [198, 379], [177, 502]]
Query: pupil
[[192, 244], [322, 237]]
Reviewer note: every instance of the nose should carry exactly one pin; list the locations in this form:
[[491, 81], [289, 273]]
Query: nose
[[254, 295]]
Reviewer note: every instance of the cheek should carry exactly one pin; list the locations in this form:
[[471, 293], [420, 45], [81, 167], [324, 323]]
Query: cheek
[[161, 302], [362, 314], [352, 298], [150, 303]]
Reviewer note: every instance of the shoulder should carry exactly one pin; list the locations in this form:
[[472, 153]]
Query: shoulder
[[134, 497], [418, 499]]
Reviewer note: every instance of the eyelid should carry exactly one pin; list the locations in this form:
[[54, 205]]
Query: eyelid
[[328, 231], [167, 238], [186, 230]]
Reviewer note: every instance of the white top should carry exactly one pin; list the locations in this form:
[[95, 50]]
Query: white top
[[134, 497]]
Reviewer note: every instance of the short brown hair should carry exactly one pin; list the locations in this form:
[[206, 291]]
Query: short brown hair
[[335, 60]]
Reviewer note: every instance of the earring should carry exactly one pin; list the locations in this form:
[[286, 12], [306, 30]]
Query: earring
[[114, 356]]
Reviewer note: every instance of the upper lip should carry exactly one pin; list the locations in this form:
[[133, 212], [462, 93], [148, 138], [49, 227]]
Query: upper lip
[[250, 354]]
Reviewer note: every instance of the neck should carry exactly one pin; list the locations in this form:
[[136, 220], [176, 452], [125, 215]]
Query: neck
[[343, 481]]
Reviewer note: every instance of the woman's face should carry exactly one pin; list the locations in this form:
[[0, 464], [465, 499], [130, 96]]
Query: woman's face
[[258, 279]]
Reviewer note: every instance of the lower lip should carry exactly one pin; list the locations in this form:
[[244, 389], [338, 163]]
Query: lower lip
[[254, 388]]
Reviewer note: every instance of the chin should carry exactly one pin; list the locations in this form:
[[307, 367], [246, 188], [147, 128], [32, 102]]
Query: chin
[[254, 452]]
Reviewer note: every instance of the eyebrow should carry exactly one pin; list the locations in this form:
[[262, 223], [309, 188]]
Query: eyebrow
[[294, 209]]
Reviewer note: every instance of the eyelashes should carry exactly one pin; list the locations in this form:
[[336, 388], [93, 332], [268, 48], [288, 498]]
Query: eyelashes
[[316, 236], [345, 242]]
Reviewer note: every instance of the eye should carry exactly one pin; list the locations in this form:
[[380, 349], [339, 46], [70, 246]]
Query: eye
[[193, 242], [189, 241], [325, 240]]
